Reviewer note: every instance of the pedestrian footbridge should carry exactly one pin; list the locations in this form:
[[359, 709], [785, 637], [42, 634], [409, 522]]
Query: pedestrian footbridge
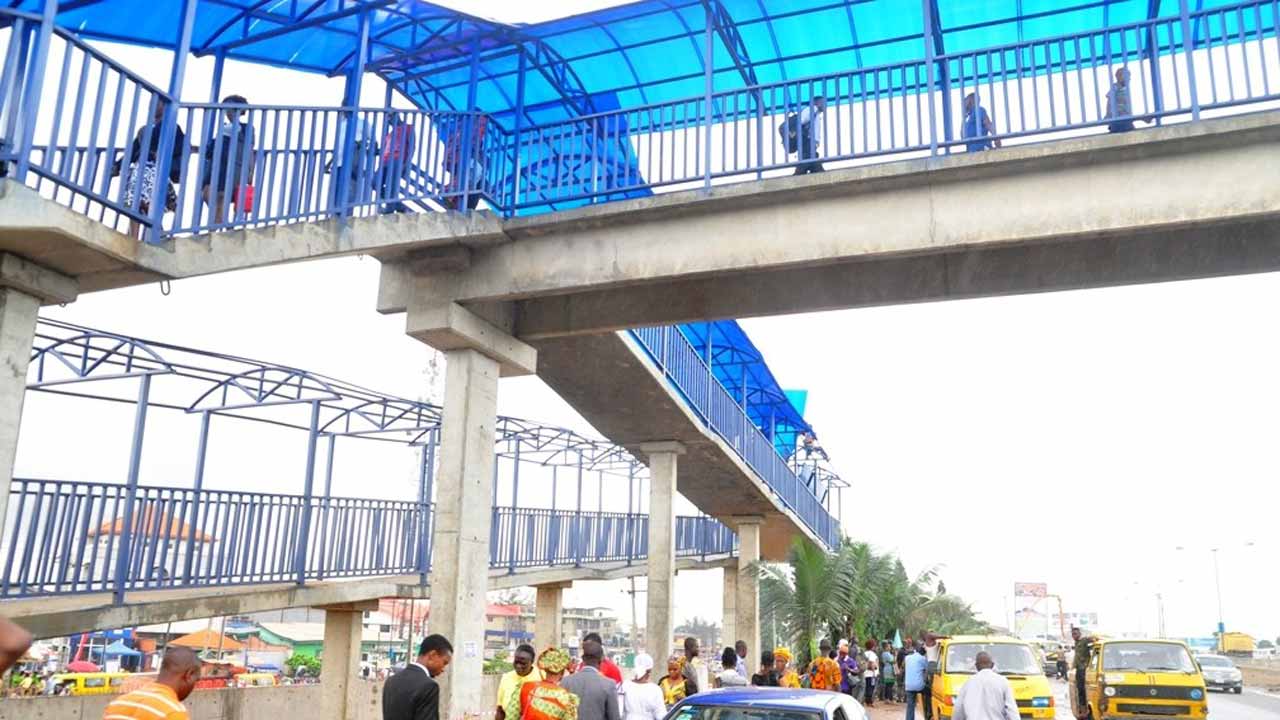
[[591, 199]]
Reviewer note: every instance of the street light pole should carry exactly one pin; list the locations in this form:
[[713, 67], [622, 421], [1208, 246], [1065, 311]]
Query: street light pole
[[1217, 583]]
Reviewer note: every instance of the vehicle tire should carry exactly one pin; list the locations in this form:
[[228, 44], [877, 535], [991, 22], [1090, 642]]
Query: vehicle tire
[[1237, 690]]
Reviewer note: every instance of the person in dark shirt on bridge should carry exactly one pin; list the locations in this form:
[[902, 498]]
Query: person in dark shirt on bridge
[[978, 128], [397, 154]]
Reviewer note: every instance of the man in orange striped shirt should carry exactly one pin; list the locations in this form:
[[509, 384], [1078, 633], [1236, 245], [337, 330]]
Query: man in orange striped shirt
[[162, 699]]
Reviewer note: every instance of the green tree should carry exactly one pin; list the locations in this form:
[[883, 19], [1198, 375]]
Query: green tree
[[707, 632], [306, 662], [853, 592]]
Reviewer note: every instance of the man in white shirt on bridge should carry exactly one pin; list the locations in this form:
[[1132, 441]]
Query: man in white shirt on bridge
[[986, 695], [810, 141]]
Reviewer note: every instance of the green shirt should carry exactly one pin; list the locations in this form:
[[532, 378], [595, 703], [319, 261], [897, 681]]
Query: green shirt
[[1082, 653]]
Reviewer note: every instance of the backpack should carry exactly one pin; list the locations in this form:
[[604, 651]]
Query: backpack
[[790, 132]]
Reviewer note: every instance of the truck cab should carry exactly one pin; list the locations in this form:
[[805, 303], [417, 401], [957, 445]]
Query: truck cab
[[1143, 679]]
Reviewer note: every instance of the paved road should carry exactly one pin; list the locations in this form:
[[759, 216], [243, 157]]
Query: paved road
[[1251, 705]]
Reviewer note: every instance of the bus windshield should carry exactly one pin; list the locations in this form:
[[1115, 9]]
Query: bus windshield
[[1147, 657]]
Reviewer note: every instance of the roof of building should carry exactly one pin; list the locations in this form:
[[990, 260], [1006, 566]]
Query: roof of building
[[152, 523], [210, 639]]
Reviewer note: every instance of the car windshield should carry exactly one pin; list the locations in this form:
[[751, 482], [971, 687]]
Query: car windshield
[[1147, 657], [1218, 662], [1010, 658], [741, 712]]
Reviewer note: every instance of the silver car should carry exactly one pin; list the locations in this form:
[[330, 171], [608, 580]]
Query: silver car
[[1221, 674]]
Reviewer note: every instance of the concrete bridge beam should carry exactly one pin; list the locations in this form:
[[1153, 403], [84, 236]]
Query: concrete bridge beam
[[659, 620]]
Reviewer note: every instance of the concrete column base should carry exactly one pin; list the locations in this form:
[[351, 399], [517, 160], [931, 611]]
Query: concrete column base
[[460, 555], [747, 620], [340, 663], [548, 623], [659, 620]]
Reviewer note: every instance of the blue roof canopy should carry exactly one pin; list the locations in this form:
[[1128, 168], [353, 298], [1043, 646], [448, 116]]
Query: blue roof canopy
[[741, 369], [639, 53]]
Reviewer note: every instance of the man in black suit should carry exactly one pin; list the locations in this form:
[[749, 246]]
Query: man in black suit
[[412, 693], [597, 695]]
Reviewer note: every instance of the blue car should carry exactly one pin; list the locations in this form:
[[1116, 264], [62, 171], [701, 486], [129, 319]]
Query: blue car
[[767, 703]]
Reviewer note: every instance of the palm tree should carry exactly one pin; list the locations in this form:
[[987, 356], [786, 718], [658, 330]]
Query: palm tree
[[806, 596], [854, 592]]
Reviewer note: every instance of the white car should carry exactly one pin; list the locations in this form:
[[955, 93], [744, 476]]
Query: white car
[[1220, 673]]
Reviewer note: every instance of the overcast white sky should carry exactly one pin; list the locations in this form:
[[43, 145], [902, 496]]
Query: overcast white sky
[[1071, 438]]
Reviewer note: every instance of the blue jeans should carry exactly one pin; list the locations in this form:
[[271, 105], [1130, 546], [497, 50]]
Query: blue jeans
[[911, 704]]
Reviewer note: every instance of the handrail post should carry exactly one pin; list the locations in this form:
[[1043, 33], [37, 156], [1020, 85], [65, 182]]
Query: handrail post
[[516, 133], [708, 79], [424, 505], [34, 87], [124, 550], [169, 124], [351, 108], [197, 493], [300, 556], [930, 72], [1188, 48], [465, 148]]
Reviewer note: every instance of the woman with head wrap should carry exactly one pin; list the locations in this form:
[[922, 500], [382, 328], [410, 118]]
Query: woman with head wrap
[[545, 699], [673, 689], [782, 663]]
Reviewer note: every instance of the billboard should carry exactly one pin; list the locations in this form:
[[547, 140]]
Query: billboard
[[1035, 590]]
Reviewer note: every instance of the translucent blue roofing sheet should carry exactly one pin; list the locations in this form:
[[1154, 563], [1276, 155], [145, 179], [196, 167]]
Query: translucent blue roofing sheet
[[643, 52], [740, 367]]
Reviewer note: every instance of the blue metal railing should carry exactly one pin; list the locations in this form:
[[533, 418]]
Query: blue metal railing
[[689, 374], [302, 164], [65, 537], [69, 537]]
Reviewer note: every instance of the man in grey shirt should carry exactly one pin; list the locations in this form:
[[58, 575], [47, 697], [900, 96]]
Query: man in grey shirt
[[597, 694]]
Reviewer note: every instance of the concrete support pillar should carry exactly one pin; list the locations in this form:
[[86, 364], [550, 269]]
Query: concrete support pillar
[[340, 662], [460, 554], [548, 621], [23, 288], [748, 583], [659, 623], [728, 625]]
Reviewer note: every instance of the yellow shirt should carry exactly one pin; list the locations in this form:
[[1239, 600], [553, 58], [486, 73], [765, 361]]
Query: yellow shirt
[[152, 702], [510, 684], [790, 680]]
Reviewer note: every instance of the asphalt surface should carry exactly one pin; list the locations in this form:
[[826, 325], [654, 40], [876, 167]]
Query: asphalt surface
[[1250, 705]]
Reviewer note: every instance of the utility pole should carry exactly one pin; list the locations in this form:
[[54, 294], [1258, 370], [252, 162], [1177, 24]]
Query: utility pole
[[1160, 613], [635, 617]]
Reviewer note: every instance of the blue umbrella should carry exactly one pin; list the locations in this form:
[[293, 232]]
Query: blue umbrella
[[119, 649]]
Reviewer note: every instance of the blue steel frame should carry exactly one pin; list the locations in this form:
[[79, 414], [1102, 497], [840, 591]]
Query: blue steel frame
[[70, 537], [595, 154]]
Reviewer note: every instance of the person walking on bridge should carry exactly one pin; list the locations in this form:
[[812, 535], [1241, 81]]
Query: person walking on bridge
[[412, 693], [810, 136], [162, 699], [978, 128], [1119, 104], [987, 695]]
